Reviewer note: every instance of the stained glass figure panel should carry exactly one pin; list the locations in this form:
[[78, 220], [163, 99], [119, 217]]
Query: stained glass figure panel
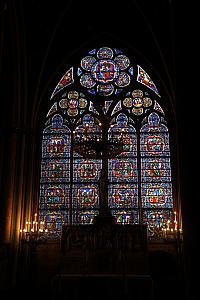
[[120, 130], [55, 170], [123, 195], [56, 146], [54, 196], [123, 170], [86, 170], [84, 217], [154, 144], [66, 80], [125, 217], [53, 222], [85, 196], [158, 195], [156, 220], [88, 129], [155, 169]]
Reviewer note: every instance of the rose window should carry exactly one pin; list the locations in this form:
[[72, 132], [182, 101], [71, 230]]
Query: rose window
[[105, 71]]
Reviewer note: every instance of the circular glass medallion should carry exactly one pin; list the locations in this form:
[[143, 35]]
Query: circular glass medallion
[[63, 103], [137, 102], [73, 103], [123, 80], [73, 95], [87, 62], [105, 52], [122, 61], [105, 71], [128, 102], [87, 81], [82, 103], [147, 102]]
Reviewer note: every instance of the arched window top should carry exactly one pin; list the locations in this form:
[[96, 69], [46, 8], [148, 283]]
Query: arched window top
[[57, 121], [154, 124], [122, 119], [89, 125], [56, 125]]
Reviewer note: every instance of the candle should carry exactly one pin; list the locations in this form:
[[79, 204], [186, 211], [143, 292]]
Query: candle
[[175, 216], [36, 226], [35, 222], [168, 222], [41, 226], [175, 225], [164, 232]]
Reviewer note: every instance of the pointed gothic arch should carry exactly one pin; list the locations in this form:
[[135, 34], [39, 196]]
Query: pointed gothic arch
[[106, 95]]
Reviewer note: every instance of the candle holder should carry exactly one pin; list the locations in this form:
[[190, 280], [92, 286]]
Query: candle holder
[[33, 233], [168, 230]]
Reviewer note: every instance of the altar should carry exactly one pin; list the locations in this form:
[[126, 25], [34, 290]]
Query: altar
[[108, 258]]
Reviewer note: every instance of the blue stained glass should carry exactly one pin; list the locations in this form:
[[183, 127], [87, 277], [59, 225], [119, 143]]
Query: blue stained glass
[[92, 91], [69, 184], [154, 137], [157, 219], [85, 217], [56, 139], [106, 106], [86, 170], [123, 170], [154, 124], [157, 195], [123, 195], [117, 108], [121, 130], [53, 222], [105, 52], [54, 196], [79, 71], [55, 170], [156, 186], [131, 70], [117, 51], [155, 169], [117, 91], [125, 217], [154, 144], [103, 69], [85, 196], [93, 51], [88, 129]]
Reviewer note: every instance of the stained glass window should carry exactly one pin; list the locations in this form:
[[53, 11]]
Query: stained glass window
[[156, 186], [122, 174], [107, 95]]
